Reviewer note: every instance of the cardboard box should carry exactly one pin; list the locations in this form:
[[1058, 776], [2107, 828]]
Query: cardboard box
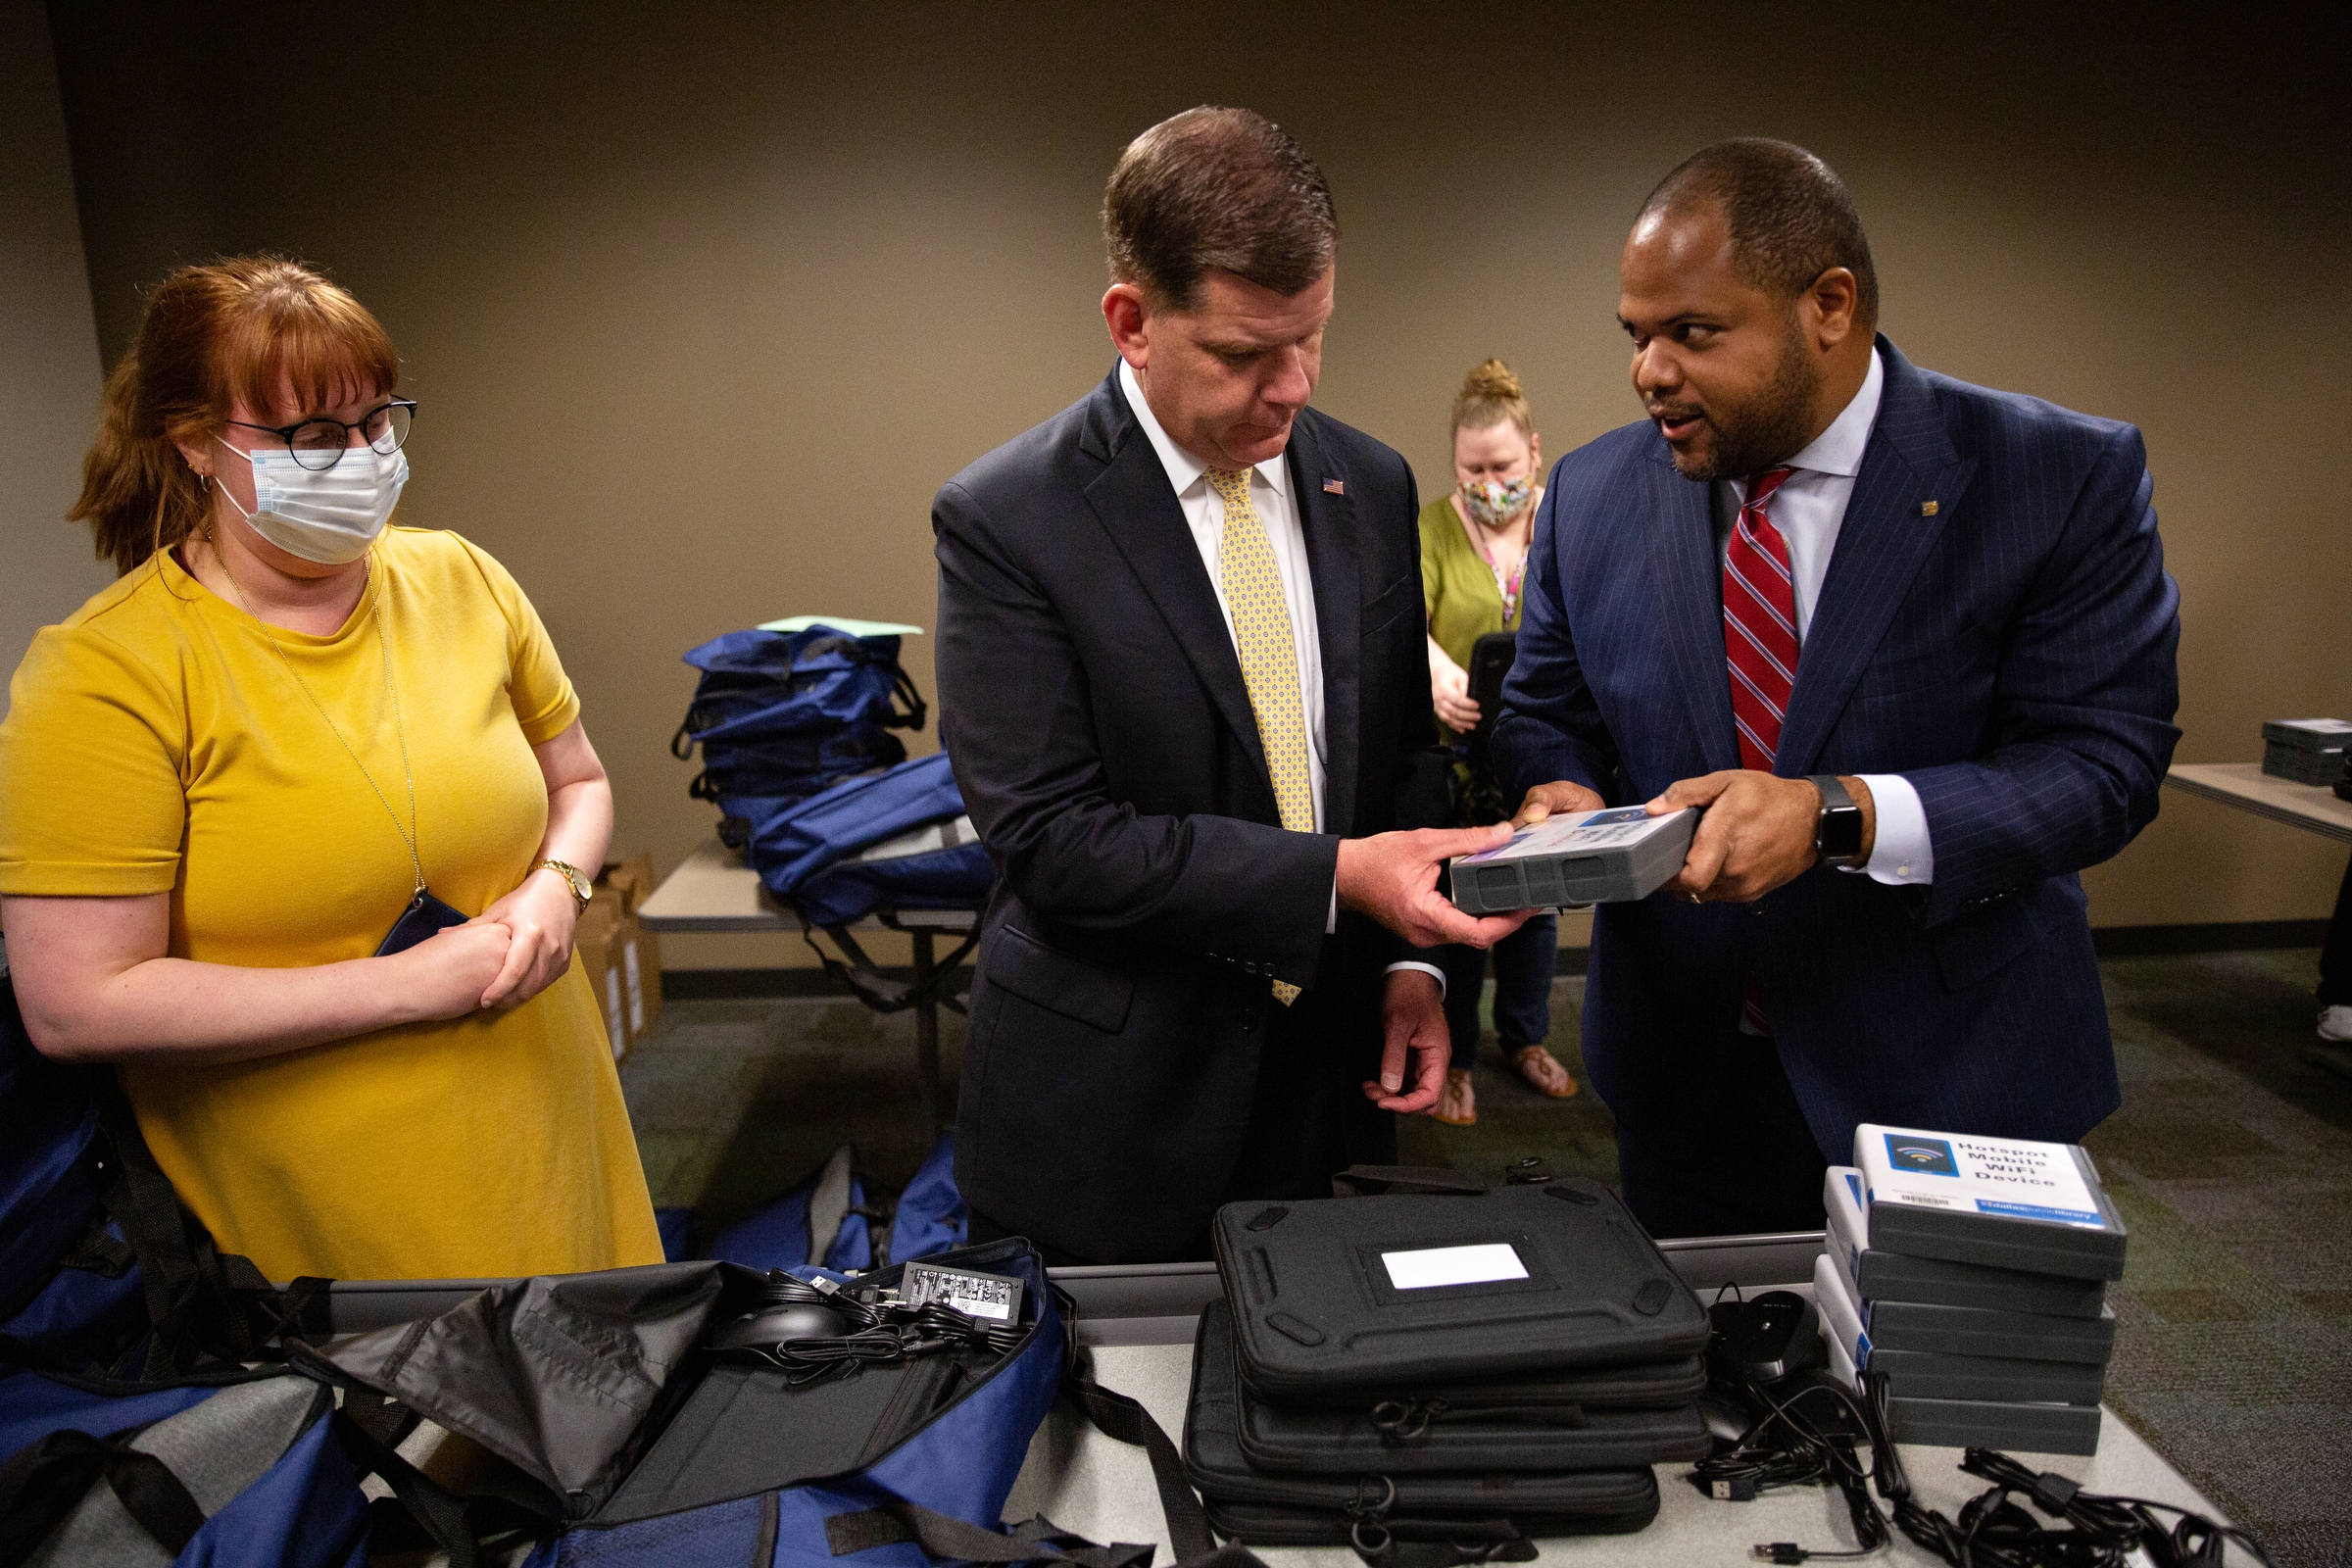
[[640, 979], [632, 879], [622, 958], [597, 939]]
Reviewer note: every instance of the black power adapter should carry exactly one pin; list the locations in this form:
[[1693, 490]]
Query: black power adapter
[[1763, 1338]]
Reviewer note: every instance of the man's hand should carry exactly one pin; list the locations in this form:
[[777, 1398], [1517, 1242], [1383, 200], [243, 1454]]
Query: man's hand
[[1392, 877], [1555, 800], [1757, 833], [1412, 1023]]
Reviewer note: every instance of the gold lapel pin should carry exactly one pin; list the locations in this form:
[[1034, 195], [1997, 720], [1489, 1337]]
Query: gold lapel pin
[[1928, 508]]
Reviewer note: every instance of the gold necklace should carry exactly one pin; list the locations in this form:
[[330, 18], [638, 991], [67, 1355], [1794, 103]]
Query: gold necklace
[[375, 604]]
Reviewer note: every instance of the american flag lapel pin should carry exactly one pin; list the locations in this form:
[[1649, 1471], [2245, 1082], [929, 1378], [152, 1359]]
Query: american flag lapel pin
[[1334, 487]]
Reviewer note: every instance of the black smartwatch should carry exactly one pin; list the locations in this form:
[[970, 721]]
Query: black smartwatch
[[1837, 831]]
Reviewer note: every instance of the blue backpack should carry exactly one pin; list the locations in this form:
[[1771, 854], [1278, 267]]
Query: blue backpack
[[843, 1221], [783, 715], [641, 1447], [249, 1468], [103, 1272], [893, 840], [898, 838]]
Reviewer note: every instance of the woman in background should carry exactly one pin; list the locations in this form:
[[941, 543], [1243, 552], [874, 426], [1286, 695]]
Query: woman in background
[[1474, 545], [242, 788]]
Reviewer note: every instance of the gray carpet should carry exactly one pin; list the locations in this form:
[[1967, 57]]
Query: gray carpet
[[2232, 1160]]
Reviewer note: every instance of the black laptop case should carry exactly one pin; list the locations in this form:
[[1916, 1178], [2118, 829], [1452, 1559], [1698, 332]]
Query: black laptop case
[[1336, 1295], [1301, 1509], [1642, 1385], [1428, 1437]]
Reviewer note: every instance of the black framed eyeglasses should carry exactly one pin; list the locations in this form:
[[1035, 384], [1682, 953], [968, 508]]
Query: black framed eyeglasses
[[319, 444]]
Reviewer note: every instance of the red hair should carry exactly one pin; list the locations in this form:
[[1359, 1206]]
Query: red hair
[[245, 330]]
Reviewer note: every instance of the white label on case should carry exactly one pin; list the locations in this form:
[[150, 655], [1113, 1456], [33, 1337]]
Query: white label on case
[[1453, 1265]]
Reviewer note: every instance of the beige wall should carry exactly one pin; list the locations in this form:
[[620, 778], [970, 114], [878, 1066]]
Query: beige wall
[[702, 305], [49, 369]]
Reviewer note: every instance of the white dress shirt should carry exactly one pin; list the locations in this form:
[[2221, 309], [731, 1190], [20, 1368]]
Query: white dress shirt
[[1809, 509], [1278, 510]]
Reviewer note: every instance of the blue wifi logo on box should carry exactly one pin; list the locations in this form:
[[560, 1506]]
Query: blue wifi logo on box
[[1925, 1157]]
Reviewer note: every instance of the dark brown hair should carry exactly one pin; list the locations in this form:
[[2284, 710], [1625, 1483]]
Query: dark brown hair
[[1489, 395], [1219, 188], [242, 330], [1791, 218]]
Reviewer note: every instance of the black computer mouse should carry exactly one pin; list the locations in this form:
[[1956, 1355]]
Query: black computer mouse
[[776, 1324], [1764, 1339], [1727, 1423]]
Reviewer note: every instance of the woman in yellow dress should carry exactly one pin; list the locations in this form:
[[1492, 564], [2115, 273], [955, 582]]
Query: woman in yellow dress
[[1474, 545], [293, 819]]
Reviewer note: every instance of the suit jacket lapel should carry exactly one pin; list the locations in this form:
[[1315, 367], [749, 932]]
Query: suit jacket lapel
[[1881, 543], [1332, 554], [1688, 581], [1140, 514]]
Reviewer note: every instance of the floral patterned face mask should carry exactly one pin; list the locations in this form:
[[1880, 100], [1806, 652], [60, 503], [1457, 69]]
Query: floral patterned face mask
[[1496, 501]]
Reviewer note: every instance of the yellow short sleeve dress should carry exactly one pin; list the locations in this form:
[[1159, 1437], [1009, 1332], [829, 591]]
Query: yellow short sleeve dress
[[156, 743]]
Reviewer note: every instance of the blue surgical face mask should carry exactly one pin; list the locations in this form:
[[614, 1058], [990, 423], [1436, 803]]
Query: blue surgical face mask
[[1496, 501], [331, 518]]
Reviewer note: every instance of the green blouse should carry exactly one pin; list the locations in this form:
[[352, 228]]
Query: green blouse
[[1458, 585]]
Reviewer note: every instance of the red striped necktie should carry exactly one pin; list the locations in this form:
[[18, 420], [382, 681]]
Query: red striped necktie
[[1759, 643], [1759, 624]]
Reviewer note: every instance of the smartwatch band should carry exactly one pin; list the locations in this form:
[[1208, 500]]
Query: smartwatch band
[[1837, 830]]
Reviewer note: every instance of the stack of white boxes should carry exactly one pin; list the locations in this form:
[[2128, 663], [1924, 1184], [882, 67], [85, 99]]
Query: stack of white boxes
[[1972, 1272]]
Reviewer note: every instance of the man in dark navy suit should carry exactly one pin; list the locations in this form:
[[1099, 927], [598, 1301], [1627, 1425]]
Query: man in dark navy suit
[[1909, 642], [1181, 664]]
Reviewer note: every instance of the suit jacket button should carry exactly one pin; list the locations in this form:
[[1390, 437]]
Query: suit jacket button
[[1756, 908]]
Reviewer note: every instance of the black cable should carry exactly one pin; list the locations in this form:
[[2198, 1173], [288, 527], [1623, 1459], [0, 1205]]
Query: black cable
[[1790, 1445], [879, 1333], [1787, 1447], [2192, 1541]]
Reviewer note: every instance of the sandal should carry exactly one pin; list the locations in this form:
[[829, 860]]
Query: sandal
[[1544, 1073], [1458, 1101]]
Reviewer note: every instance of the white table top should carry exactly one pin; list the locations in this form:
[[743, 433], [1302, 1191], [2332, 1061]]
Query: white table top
[[1102, 1489], [2247, 787], [712, 891]]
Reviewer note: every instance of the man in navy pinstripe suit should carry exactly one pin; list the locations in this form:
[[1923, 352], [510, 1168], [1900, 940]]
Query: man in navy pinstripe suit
[[1910, 642]]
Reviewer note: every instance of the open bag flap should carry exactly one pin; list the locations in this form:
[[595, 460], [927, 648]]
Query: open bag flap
[[554, 1373]]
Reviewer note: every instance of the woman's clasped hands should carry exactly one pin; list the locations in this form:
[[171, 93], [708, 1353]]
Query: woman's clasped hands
[[502, 957]]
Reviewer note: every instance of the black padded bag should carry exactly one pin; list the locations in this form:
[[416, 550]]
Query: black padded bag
[[1317, 1311], [1520, 1438], [1643, 1386], [1262, 1508], [1266, 1524]]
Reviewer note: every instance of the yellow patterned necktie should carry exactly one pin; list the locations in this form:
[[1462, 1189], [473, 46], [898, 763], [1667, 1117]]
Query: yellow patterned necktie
[[1269, 650]]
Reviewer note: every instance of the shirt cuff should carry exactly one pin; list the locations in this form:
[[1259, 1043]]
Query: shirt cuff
[[1430, 969], [1902, 854], [1331, 921]]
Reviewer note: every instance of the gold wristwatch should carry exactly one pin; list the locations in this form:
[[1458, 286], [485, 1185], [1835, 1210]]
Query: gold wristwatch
[[583, 890]]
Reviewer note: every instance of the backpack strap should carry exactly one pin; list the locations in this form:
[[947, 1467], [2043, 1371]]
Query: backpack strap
[[45, 1481], [877, 989], [959, 1540], [1117, 1416], [196, 1293]]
